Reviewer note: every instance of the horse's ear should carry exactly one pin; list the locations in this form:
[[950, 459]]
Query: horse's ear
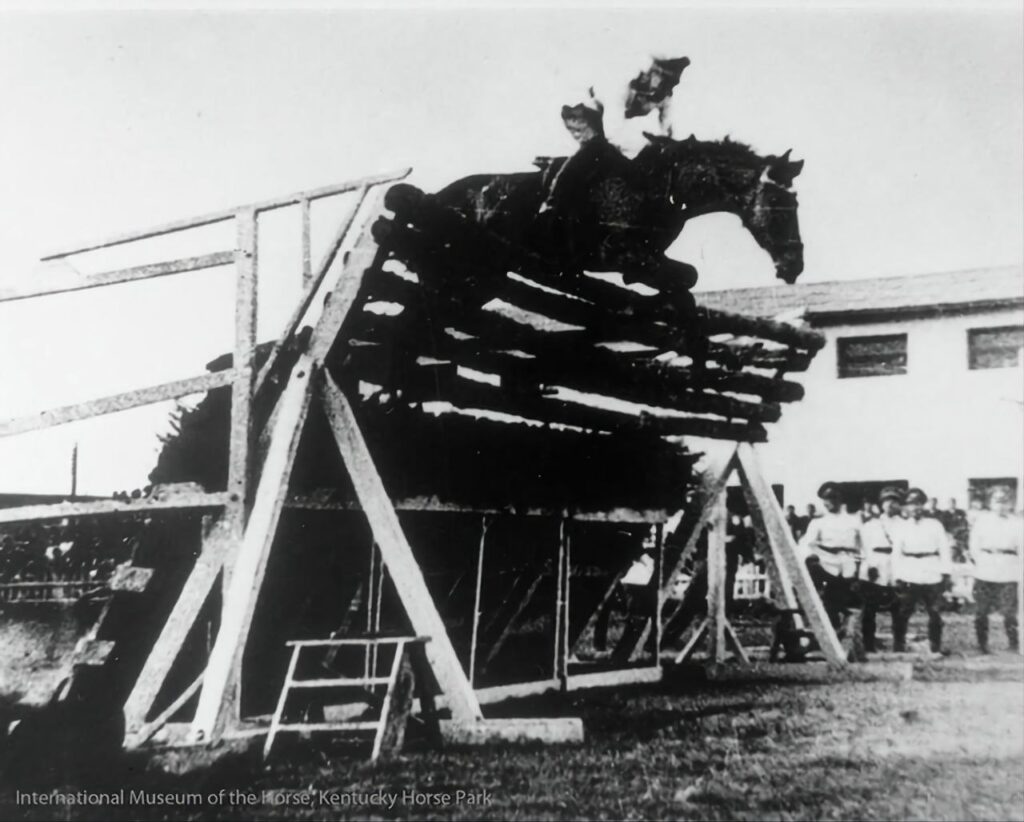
[[657, 139], [782, 170]]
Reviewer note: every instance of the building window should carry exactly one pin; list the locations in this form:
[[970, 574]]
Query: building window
[[994, 347], [872, 356]]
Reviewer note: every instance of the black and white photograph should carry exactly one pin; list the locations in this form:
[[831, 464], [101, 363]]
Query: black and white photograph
[[523, 410]]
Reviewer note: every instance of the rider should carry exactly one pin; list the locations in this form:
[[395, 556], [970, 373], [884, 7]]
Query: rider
[[833, 547]]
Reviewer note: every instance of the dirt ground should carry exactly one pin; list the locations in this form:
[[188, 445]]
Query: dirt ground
[[946, 745]]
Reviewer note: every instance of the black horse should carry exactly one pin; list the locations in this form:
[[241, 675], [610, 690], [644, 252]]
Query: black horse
[[600, 211]]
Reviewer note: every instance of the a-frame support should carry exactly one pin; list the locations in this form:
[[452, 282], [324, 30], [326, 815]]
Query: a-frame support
[[708, 511], [249, 557]]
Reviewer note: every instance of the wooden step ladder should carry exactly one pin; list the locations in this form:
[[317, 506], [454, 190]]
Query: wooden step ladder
[[410, 672]]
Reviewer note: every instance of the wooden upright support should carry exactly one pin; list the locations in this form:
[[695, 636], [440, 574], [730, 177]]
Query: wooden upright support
[[484, 525], [563, 565], [659, 583], [241, 387], [717, 579]]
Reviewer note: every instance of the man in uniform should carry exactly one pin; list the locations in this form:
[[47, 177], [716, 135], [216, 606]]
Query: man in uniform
[[996, 548], [879, 536], [921, 567], [832, 545]]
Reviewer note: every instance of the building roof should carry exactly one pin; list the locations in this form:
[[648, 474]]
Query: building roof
[[879, 297]]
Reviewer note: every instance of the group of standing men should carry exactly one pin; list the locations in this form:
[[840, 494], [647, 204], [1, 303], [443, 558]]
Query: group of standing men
[[902, 558]]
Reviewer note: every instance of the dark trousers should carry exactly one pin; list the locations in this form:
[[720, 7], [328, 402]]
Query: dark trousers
[[876, 598], [995, 596], [907, 598], [838, 594]]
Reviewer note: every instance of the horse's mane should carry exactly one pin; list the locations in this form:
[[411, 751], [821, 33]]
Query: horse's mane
[[727, 149]]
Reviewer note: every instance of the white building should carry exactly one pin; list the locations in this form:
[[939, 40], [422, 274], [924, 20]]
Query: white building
[[919, 384]]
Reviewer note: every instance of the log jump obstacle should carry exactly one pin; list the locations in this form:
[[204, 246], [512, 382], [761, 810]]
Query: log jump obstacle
[[587, 379]]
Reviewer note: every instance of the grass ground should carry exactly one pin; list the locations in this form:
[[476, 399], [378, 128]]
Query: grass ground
[[948, 745]]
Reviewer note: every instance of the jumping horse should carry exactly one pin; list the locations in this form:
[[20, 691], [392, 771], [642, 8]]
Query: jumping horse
[[600, 211]]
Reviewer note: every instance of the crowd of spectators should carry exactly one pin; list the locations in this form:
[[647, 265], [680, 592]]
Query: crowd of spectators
[[71, 550], [955, 520]]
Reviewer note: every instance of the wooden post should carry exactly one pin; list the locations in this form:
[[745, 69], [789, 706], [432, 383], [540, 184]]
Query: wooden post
[[241, 386], [659, 591], [485, 523], [239, 459], [717, 580], [766, 508], [559, 666], [566, 540], [375, 591], [405, 571], [74, 471], [307, 253], [251, 562]]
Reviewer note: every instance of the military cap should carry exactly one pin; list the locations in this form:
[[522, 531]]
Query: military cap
[[890, 492], [829, 490], [916, 496]]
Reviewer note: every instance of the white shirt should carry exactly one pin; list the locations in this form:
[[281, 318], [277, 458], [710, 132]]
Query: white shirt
[[879, 536], [921, 555], [836, 540], [996, 547], [640, 571]]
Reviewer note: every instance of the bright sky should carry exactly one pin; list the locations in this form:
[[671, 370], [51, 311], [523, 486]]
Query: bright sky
[[911, 123]]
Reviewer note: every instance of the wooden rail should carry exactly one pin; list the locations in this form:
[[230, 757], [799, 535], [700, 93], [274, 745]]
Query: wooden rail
[[309, 195]]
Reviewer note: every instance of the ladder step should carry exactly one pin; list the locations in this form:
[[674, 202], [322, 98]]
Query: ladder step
[[338, 683], [355, 640], [329, 726], [130, 578], [91, 651]]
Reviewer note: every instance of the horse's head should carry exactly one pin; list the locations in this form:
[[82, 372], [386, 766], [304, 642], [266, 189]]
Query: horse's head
[[770, 215], [707, 177]]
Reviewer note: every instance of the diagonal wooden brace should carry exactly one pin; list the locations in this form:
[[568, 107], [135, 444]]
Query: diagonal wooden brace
[[397, 553], [767, 513]]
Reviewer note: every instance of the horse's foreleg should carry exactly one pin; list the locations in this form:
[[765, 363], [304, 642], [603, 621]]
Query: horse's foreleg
[[675, 279]]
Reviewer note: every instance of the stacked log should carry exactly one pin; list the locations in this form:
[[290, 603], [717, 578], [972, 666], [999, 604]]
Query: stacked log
[[484, 325]]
